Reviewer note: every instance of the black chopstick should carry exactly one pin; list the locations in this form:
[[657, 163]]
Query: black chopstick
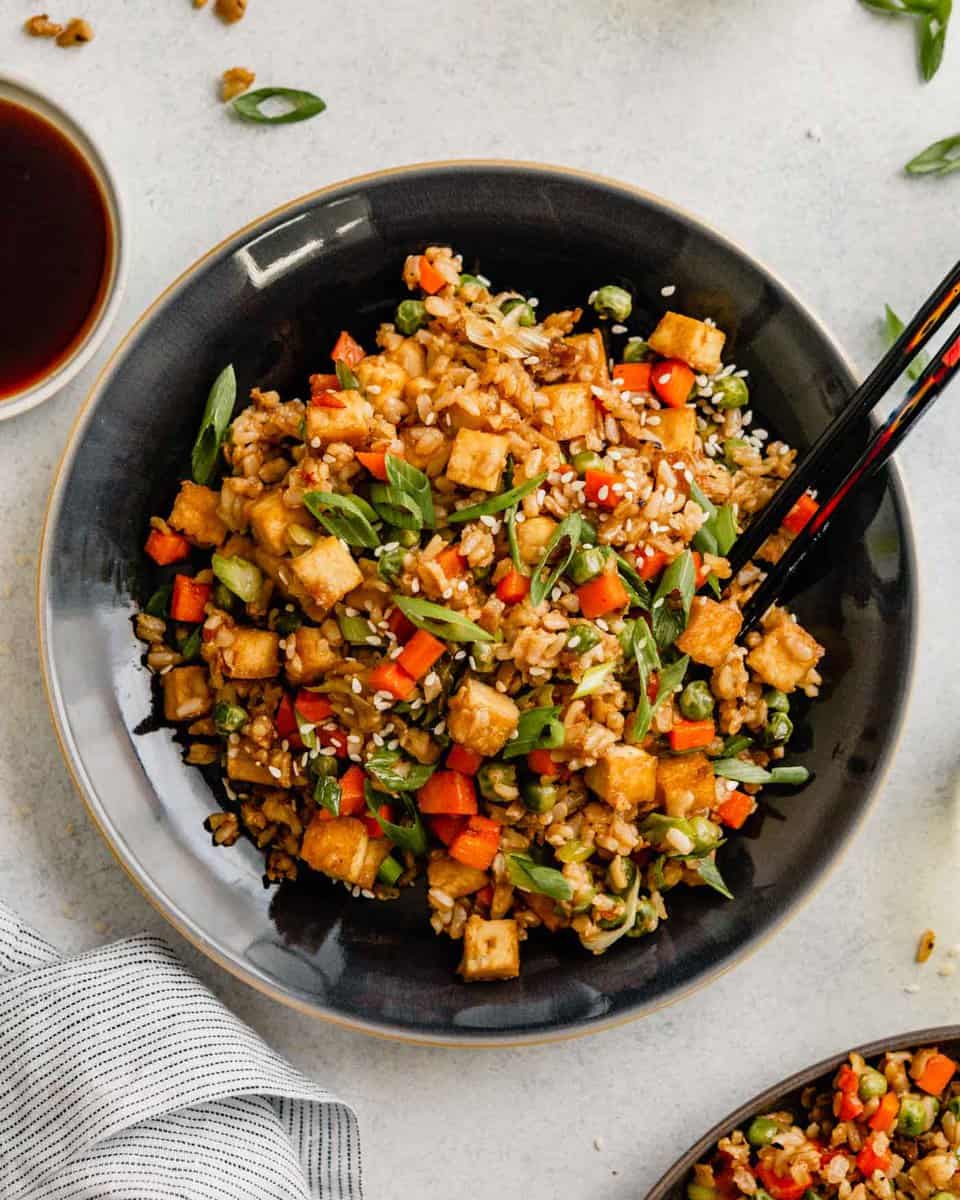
[[928, 320], [918, 400]]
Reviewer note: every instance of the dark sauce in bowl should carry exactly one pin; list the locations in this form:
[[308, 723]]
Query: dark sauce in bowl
[[55, 248]]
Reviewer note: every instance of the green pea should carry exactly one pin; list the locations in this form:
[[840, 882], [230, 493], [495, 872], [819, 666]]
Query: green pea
[[636, 350], [778, 729], [761, 1131], [229, 718], [916, 1115], [483, 656], [621, 873], [646, 920], [324, 766], [730, 446], [777, 701], [408, 538], [411, 315], [587, 460], [527, 316], [390, 565], [575, 852], [494, 775], [872, 1084], [705, 833], [699, 1191], [539, 797], [953, 1106], [730, 392], [612, 301], [288, 622], [586, 565], [582, 638], [470, 281], [696, 700]]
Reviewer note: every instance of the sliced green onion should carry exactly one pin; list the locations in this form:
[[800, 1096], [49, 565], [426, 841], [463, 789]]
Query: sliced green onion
[[242, 577], [358, 631], [537, 729], [213, 424], [229, 718], [593, 678], [442, 622], [159, 602], [347, 517], [389, 871], [497, 503]]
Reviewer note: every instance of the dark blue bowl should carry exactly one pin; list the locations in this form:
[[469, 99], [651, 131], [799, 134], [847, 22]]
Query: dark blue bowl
[[271, 299]]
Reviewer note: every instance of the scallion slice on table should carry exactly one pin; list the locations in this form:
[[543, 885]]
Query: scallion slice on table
[[303, 105], [939, 159], [894, 327]]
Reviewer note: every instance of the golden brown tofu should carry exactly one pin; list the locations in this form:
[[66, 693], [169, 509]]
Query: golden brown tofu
[[710, 633], [491, 950], [252, 655], [696, 342], [270, 519], [377, 850], [195, 515], [349, 424], [593, 357], [382, 381], [470, 411], [624, 775], [186, 694], [312, 656], [677, 428], [242, 767], [454, 878], [337, 847], [327, 571], [784, 656], [419, 744], [685, 785], [573, 409], [481, 718], [477, 459], [533, 535]]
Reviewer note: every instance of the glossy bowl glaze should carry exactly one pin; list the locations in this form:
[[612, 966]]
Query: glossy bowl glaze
[[786, 1096], [271, 300]]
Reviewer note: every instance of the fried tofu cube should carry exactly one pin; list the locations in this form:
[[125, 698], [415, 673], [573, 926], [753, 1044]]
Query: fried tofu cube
[[710, 633], [677, 428], [685, 785], [270, 518], [377, 850], [491, 950], [532, 537], [624, 776], [572, 408], [349, 424], [593, 357], [312, 656], [186, 694], [454, 878], [477, 459], [254, 654], [784, 656], [242, 767], [385, 378], [469, 411], [337, 847], [481, 718], [696, 342], [327, 571], [195, 515]]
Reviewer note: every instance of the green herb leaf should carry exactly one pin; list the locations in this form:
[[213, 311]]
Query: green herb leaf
[[304, 105], [718, 533], [748, 772], [396, 773], [636, 587], [571, 530], [213, 424], [411, 482], [327, 794], [593, 678], [709, 872], [159, 602], [239, 575], [347, 517], [529, 876], [497, 503], [537, 729], [939, 159], [734, 745], [894, 327], [442, 622], [670, 678], [358, 631], [668, 622], [412, 837], [346, 378]]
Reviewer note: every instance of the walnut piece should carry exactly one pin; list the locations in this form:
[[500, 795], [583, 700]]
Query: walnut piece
[[231, 10], [235, 82], [76, 33], [42, 26]]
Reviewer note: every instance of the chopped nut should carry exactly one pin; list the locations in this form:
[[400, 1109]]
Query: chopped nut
[[928, 939], [225, 828], [42, 26], [234, 82], [231, 10], [202, 754], [76, 33]]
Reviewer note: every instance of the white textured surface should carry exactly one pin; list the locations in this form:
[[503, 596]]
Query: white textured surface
[[782, 124]]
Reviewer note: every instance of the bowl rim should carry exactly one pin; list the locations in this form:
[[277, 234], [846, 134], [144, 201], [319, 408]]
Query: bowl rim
[[31, 96], [772, 1094], [184, 924]]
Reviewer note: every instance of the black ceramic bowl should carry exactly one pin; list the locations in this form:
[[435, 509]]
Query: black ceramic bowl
[[786, 1096], [271, 300]]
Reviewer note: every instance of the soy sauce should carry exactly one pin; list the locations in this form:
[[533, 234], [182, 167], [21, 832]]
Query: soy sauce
[[55, 247]]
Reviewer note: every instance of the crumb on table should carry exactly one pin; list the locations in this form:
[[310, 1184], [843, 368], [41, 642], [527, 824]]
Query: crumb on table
[[76, 33], [928, 939], [234, 82], [41, 26], [231, 10]]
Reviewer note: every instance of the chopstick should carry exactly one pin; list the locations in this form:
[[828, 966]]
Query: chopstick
[[928, 320], [918, 400]]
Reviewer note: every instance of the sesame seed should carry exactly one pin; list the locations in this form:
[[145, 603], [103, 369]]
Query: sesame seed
[[668, 290], [912, 988], [603, 493], [315, 443], [618, 329], [275, 772], [356, 686], [374, 389], [415, 586]]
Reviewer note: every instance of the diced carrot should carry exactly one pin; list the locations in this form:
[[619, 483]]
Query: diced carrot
[[782, 1187], [733, 812], [541, 762], [635, 377], [691, 735], [445, 828], [937, 1073], [351, 792], [312, 707], [801, 513], [285, 719], [485, 895], [346, 350], [448, 792], [189, 598], [513, 587], [430, 278], [702, 573], [886, 1115], [451, 562], [400, 625], [870, 1160], [847, 1106], [375, 461], [388, 677], [166, 548], [323, 392], [335, 738], [847, 1079], [604, 488], [327, 400], [325, 383], [477, 844], [649, 566], [373, 825], [467, 762], [672, 381], [602, 595], [420, 653]]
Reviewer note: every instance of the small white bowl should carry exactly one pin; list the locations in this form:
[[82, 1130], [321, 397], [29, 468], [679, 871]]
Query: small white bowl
[[20, 91]]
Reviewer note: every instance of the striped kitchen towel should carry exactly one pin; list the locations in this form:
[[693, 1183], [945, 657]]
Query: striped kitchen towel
[[123, 1076]]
